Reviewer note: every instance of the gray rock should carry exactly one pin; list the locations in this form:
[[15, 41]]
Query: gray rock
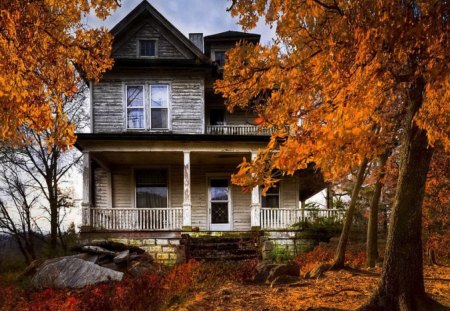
[[284, 269], [70, 272], [122, 257], [97, 250], [263, 270]]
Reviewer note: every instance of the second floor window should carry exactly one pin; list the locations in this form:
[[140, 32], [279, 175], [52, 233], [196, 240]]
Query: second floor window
[[147, 111], [219, 58]]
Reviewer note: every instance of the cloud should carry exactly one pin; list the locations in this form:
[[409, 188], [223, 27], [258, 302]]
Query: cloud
[[206, 16]]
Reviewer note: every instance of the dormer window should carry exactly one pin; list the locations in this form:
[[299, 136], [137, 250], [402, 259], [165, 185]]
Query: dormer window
[[147, 48], [219, 58]]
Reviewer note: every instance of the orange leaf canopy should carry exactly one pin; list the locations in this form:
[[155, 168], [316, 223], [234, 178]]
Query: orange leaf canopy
[[44, 52], [337, 79]]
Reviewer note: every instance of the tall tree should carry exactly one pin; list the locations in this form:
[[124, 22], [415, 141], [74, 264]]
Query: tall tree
[[339, 259], [44, 160], [336, 71], [372, 226], [43, 44]]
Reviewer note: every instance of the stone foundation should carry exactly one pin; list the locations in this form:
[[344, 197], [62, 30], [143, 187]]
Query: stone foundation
[[165, 250], [280, 246]]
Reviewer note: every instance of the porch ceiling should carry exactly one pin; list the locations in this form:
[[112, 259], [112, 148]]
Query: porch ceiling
[[168, 158]]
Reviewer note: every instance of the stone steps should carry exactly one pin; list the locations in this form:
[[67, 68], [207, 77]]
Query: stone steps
[[212, 248]]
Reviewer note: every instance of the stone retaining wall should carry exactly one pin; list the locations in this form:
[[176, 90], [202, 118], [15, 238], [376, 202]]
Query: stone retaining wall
[[281, 246], [168, 251]]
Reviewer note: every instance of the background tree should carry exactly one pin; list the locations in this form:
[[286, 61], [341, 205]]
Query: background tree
[[18, 209], [43, 160], [436, 218], [43, 44], [345, 69]]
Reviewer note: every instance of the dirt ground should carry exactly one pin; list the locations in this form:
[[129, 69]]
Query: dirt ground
[[342, 290]]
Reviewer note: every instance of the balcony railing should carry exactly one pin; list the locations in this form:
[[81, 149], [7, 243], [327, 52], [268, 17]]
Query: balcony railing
[[283, 218], [237, 130], [136, 219]]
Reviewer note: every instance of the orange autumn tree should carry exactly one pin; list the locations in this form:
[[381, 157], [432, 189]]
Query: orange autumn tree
[[341, 79], [44, 52], [436, 220]]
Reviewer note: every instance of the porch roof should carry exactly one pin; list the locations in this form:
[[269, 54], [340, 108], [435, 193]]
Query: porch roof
[[91, 137]]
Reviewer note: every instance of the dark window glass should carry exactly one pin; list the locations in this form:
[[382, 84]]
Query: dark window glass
[[159, 94], [219, 213], [219, 57], [159, 118], [151, 188], [147, 47], [272, 198], [217, 117]]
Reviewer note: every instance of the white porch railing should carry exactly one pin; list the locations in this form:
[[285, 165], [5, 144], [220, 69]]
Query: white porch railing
[[237, 130], [282, 218], [133, 218]]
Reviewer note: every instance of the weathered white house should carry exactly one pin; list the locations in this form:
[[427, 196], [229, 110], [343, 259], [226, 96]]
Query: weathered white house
[[162, 147]]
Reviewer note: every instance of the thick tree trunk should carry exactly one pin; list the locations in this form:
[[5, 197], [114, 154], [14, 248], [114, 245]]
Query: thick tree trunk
[[401, 286], [372, 226], [339, 260]]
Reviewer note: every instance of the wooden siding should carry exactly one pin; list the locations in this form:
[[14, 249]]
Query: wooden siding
[[165, 49], [123, 192], [101, 192], [122, 188], [186, 102], [108, 106]]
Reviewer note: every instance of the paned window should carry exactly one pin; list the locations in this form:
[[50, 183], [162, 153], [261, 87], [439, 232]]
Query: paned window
[[151, 188], [219, 58], [159, 97], [147, 48], [272, 198], [154, 107], [135, 107]]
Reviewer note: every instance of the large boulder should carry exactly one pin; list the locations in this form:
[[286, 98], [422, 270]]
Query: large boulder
[[283, 269], [72, 272], [267, 273]]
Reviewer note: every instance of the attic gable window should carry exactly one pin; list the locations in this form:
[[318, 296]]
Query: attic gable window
[[147, 48]]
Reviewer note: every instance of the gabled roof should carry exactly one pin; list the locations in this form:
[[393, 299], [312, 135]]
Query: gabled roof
[[233, 35], [145, 8]]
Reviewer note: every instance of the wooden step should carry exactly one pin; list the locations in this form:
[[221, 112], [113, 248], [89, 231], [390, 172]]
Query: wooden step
[[213, 248]]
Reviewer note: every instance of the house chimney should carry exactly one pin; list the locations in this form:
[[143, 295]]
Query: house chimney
[[197, 39]]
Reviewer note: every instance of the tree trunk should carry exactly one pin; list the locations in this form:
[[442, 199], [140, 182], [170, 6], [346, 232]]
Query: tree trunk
[[53, 219], [372, 226], [401, 286], [339, 260]]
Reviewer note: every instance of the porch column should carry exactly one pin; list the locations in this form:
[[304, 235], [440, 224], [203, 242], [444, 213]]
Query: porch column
[[187, 204], [86, 204], [256, 204]]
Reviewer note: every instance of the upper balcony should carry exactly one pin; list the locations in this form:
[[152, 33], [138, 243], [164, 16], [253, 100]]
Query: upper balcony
[[250, 130]]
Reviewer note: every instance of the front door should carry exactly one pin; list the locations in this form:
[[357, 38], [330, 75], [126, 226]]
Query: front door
[[219, 204]]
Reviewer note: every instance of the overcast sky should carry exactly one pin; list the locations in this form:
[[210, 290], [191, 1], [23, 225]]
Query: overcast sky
[[189, 16]]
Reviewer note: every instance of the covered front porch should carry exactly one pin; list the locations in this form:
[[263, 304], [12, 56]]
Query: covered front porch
[[174, 186]]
